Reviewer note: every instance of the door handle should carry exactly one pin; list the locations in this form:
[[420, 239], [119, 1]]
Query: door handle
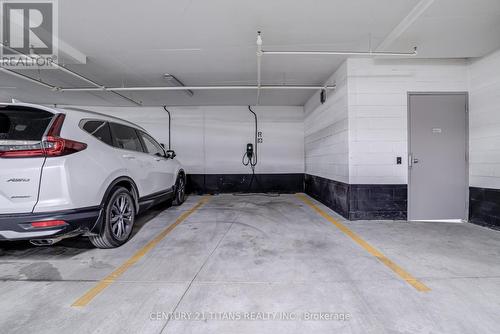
[[128, 156], [412, 160]]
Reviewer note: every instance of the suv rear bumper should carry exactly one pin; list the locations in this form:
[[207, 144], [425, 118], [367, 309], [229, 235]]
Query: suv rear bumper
[[17, 226]]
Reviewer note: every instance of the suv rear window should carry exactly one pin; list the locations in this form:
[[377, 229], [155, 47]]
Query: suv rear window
[[100, 130], [23, 124]]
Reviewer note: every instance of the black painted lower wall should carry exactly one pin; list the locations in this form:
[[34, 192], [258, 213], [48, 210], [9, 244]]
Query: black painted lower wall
[[390, 202], [378, 201], [235, 183], [352, 201], [333, 194], [484, 207], [359, 201]]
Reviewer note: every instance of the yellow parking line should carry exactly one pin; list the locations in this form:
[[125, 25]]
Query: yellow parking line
[[108, 280], [369, 248]]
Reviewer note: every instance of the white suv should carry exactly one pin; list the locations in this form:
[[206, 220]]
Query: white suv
[[67, 172]]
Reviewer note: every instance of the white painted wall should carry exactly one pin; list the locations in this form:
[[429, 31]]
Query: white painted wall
[[377, 92], [326, 132], [484, 121], [212, 140], [354, 137]]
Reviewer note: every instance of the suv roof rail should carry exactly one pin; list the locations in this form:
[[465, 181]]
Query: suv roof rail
[[102, 115]]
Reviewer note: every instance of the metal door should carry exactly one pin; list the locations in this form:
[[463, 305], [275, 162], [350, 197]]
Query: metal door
[[437, 162]]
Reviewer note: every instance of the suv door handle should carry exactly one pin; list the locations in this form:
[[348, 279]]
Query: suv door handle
[[128, 156]]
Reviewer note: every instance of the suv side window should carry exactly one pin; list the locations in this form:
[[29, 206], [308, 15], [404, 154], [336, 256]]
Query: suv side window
[[152, 147], [100, 130], [125, 137]]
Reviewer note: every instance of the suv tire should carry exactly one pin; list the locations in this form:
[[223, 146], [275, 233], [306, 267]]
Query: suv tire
[[180, 190], [118, 221]]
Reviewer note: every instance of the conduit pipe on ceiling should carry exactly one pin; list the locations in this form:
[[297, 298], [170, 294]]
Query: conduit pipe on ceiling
[[25, 77], [258, 87], [57, 66], [261, 52], [163, 88], [344, 53]]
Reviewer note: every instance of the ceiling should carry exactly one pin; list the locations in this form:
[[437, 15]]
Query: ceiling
[[133, 43]]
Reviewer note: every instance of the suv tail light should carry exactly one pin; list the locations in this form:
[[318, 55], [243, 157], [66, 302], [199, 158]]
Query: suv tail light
[[56, 146], [27, 151], [52, 144]]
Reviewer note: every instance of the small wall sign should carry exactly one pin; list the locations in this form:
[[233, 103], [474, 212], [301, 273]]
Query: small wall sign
[[437, 130]]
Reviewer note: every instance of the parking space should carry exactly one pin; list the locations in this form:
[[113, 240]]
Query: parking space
[[273, 260]]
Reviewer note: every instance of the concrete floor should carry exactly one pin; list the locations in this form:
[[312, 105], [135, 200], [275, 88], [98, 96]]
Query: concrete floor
[[258, 254]]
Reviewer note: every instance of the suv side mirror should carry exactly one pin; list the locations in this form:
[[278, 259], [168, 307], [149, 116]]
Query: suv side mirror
[[171, 154]]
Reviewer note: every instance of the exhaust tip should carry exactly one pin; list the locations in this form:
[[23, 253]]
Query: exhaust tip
[[44, 242]]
